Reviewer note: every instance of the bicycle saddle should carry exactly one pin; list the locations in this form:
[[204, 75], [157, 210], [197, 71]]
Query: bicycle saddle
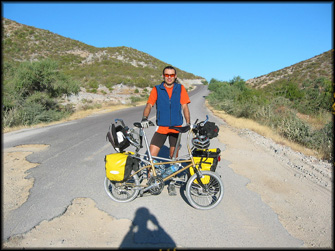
[[182, 129]]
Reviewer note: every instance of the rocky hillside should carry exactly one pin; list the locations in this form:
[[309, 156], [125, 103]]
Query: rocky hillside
[[319, 66], [90, 65]]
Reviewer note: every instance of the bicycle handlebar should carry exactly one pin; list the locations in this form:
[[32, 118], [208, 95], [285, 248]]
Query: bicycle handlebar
[[204, 122], [129, 135], [121, 121], [139, 124], [201, 123]]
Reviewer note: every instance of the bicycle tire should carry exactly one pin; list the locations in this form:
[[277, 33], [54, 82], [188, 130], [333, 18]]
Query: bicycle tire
[[204, 200], [122, 192]]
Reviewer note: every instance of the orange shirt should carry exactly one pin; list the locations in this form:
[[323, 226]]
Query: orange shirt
[[184, 99]]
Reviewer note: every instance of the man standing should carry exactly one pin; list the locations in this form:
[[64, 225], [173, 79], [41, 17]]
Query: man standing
[[171, 101]]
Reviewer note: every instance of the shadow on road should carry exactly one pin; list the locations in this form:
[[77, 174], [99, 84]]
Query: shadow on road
[[145, 232]]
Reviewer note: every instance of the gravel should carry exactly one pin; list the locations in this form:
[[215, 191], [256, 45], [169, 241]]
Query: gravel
[[307, 167]]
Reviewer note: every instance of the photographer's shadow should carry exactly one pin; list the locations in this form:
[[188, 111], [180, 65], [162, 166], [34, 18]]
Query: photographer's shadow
[[145, 232]]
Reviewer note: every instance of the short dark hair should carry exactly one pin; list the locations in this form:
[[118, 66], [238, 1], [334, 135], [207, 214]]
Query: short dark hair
[[171, 68]]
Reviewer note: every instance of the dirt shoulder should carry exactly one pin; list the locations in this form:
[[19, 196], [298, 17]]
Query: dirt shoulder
[[297, 187], [303, 204]]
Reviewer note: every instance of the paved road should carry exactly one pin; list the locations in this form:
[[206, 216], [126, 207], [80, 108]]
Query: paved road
[[73, 166]]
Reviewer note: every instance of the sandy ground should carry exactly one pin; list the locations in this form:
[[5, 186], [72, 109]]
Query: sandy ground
[[303, 205]]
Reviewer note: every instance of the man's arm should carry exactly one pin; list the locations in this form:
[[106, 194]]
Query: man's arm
[[186, 112], [147, 110]]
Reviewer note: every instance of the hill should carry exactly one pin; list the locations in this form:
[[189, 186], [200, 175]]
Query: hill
[[317, 67], [90, 65], [295, 102]]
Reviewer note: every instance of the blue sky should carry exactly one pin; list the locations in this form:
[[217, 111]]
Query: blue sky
[[218, 40]]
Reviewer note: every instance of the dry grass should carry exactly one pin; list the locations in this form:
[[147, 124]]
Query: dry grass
[[262, 130], [317, 122]]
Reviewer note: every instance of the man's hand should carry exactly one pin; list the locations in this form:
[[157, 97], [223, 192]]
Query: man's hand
[[145, 122]]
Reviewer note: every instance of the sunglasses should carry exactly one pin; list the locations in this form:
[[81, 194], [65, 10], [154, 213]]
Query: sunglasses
[[169, 75]]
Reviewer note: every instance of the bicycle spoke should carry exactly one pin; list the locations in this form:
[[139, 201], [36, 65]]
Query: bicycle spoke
[[207, 197], [122, 192]]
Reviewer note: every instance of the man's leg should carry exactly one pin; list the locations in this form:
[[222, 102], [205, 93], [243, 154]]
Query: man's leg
[[154, 150], [156, 143], [173, 137]]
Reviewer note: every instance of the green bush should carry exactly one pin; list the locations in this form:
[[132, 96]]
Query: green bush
[[42, 77], [323, 140], [277, 105], [93, 84], [31, 92], [294, 129]]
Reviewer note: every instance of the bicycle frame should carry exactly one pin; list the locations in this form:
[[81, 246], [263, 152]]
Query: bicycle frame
[[166, 160]]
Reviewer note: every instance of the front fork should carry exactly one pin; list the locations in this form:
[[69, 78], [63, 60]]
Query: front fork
[[196, 171]]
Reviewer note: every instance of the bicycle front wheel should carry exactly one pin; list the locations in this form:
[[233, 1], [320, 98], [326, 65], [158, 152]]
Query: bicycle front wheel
[[208, 197], [122, 191]]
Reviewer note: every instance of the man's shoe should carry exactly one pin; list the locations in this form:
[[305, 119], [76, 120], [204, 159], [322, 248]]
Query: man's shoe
[[172, 189]]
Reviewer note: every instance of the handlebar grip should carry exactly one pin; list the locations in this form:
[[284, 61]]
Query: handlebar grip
[[139, 125]]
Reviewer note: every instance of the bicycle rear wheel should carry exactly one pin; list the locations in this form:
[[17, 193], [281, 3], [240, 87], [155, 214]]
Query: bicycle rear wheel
[[122, 191], [208, 197]]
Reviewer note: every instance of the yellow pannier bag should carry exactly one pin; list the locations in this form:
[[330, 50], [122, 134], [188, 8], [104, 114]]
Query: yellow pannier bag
[[119, 166], [206, 160]]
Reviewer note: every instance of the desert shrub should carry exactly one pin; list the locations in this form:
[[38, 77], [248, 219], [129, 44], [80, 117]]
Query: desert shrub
[[90, 105], [93, 84], [135, 99], [236, 98], [294, 129], [31, 90], [277, 106], [42, 77], [323, 139], [11, 117], [141, 82]]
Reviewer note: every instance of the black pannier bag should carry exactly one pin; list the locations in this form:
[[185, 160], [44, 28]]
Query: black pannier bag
[[210, 130], [116, 136]]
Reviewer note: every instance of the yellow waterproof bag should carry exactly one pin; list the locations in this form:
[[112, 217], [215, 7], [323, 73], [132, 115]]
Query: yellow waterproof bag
[[119, 166], [206, 160]]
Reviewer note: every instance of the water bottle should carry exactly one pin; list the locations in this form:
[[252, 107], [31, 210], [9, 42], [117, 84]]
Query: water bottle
[[171, 169], [159, 168]]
